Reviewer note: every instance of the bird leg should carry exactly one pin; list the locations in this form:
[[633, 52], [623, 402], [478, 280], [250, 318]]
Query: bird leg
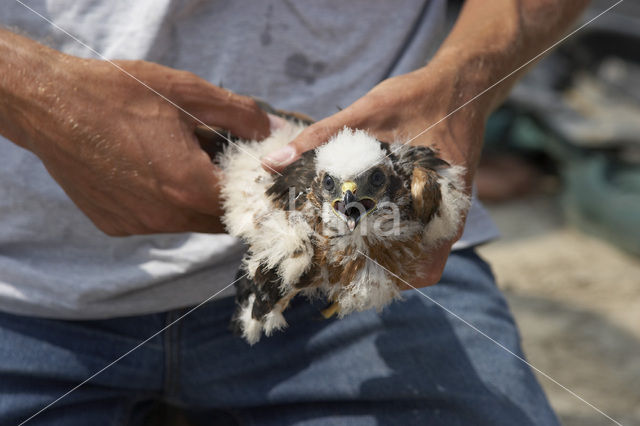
[[284, 302], [274, 319]]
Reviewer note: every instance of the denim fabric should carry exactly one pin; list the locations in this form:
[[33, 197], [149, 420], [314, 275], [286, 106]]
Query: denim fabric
[[411, 364]]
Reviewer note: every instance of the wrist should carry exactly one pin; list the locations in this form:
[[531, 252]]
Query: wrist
[[491, 42], [475, 77], [446, 95]]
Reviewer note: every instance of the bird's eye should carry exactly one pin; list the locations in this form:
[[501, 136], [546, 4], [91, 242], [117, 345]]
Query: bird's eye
[[328, 183], [377, 178]]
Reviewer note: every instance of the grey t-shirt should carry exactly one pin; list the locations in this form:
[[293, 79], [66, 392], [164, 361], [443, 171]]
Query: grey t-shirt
[[310, 56]]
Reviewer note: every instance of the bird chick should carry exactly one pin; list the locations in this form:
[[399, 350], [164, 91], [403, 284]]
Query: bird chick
[[343, 222]]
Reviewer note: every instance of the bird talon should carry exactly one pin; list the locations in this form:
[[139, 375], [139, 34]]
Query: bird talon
[[331, 310]]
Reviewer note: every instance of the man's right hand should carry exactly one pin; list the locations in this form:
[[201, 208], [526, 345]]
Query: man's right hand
[[126, 157]]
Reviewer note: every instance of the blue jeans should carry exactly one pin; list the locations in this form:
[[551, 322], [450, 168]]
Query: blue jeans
[[412, 364]]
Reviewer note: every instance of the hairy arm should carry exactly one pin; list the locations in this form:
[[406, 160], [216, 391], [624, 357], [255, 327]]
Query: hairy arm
[[126, 157], [489, 41]]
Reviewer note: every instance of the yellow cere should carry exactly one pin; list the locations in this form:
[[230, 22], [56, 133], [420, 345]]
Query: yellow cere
[[349, 186]]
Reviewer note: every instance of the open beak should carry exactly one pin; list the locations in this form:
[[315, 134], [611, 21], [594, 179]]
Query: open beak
[[350, 208]]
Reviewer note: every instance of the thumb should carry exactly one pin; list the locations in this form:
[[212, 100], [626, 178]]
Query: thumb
[[310, 138]]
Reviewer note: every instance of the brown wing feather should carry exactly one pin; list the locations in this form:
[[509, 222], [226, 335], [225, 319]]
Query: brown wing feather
[[425, 193], [296, 178]]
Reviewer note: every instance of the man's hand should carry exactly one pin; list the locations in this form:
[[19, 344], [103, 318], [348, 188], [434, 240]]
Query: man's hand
[[398, 109], [489, 41], [126, 157], [407, 103]]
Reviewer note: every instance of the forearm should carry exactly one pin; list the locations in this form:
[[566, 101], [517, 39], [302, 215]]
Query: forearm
[[26, 85], [491, 39], [125, 156]]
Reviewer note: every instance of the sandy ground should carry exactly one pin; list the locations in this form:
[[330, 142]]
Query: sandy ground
[[577, 302]]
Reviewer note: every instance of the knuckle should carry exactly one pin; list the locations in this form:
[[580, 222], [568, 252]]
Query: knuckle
[[138, 63], [184, 82], [189, 76], [252, 104], [245, 104]]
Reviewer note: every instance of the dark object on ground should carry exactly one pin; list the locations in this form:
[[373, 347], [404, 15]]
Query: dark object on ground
[[504, 176]]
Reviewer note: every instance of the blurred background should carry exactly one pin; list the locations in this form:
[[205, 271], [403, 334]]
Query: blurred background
[[561, 176]]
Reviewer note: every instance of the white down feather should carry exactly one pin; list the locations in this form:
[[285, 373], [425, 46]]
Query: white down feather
[[250, 214]]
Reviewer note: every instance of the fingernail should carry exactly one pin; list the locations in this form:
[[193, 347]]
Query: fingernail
[[281, 157], [276, 122]]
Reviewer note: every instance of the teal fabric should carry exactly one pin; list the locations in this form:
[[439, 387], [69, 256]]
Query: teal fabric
[[601, 190], [602, 197]]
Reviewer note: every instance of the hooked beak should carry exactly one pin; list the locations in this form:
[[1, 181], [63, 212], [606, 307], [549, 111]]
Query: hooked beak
[[350, 208]]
